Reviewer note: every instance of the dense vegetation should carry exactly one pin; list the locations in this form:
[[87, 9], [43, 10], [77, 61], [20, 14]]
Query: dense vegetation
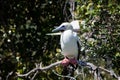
[[25, 23]]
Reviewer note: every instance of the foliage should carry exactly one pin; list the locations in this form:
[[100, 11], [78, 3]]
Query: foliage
[[24, 24], [23, 40], [100, 28]]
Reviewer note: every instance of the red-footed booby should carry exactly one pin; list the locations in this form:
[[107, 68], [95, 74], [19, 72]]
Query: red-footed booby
[[70, 43]]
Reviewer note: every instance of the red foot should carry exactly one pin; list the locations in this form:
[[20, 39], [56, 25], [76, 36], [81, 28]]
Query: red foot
[[67, 61]]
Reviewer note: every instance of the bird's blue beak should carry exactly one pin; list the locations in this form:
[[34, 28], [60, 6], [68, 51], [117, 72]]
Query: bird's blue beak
[[60, 28]]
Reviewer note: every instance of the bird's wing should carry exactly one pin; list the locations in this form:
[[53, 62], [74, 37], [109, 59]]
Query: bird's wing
[[78, 44], [79, 49]]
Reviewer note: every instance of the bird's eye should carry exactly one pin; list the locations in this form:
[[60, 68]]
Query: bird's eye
[[63, 26]]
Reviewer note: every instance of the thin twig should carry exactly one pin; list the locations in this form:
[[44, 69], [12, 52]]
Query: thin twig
[[9, 74], [71, 78], [35, 75]]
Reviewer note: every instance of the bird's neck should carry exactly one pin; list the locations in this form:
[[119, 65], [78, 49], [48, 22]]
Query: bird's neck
[[67, 31]]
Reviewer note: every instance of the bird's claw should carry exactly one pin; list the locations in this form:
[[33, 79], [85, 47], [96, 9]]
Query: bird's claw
[[67, 61]]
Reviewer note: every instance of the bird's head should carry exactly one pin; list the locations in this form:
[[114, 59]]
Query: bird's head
[[64, 26]]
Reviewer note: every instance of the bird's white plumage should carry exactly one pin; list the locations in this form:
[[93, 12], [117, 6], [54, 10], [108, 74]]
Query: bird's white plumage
[[69, 44], [69, 40], [75, 25]]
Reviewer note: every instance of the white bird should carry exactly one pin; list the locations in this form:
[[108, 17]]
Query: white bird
[[69, 41]]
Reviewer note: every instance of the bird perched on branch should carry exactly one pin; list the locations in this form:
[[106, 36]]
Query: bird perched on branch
[[70, 43]]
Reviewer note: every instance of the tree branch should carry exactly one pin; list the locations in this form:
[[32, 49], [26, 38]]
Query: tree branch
[[40, 68], [80, 63], [111, 72]]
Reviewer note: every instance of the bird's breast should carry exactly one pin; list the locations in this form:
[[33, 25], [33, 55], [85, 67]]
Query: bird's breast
[[69, 44]]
